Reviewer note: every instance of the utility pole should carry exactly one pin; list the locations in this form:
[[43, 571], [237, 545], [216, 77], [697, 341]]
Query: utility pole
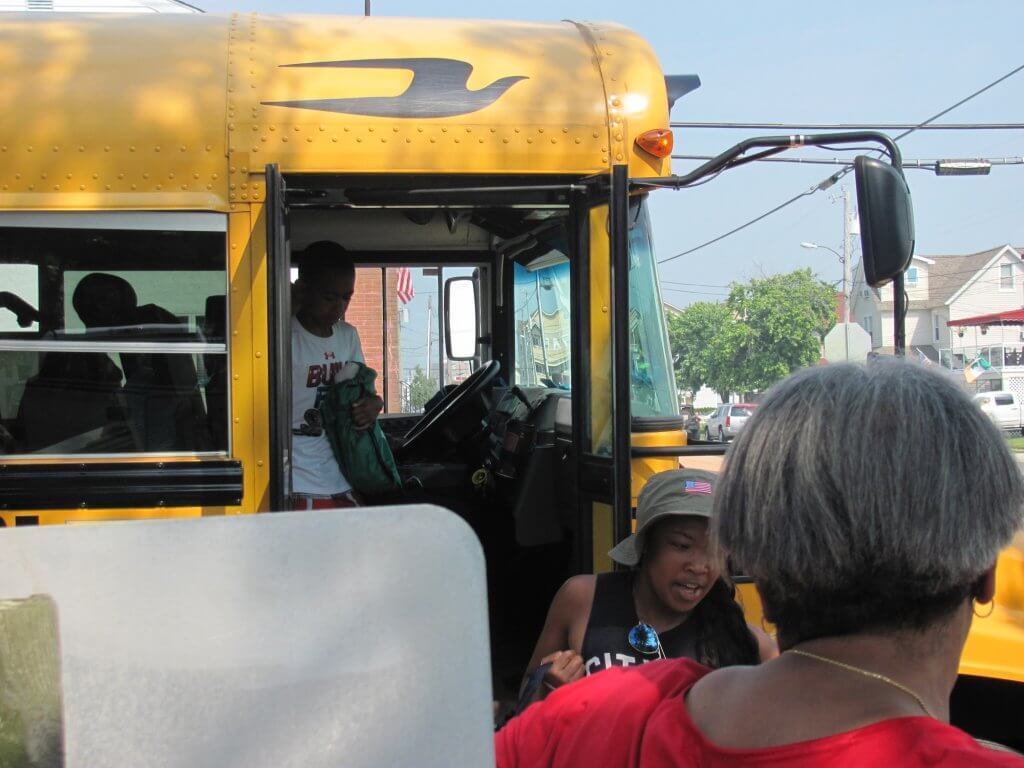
[[430, 310], [848, 218], [540, 322], [847, 257]]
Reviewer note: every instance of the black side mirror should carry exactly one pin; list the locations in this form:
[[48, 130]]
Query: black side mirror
[[886, 220]]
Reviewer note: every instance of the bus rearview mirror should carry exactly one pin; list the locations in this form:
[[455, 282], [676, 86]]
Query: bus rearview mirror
[[461, 329], [886, 220]]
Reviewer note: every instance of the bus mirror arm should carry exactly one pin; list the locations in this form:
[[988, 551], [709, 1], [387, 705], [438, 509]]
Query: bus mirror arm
[[773, 145], [883, 201]]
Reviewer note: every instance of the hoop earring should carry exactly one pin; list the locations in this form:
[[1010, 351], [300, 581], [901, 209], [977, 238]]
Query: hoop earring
[[991, 607]]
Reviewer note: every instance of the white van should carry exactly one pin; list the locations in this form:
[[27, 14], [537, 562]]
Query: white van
[[1003, 408]]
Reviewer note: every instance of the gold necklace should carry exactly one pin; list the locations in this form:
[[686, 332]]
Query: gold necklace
[[866, 673]]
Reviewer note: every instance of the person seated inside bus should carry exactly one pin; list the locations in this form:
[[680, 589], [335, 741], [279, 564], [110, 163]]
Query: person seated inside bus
[[673, 602], [872, 550], [164, 406], [73, 396], [322, 343]]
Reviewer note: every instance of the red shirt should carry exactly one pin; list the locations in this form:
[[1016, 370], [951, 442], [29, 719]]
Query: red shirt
[[637, 718]]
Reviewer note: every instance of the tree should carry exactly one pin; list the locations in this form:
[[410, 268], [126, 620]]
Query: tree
[[764, 331], [421, 388], [702, 338], [787, 317]]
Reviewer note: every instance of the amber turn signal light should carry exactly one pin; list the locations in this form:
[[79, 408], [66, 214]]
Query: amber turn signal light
[[657, 142]]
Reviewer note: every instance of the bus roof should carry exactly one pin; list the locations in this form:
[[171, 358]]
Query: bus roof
[[179, 111]]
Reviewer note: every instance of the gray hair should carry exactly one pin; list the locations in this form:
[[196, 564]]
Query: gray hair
[[859, 493]]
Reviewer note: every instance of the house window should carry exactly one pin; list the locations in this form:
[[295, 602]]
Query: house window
[[865, 293], [866, 322], [1006, 277], [936, 327], [911, 277]]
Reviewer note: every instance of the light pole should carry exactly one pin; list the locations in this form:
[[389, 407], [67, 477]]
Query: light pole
[[846, 298]]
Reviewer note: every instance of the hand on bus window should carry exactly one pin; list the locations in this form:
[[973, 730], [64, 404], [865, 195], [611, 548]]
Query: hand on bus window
[[566, 667], [364, 411]]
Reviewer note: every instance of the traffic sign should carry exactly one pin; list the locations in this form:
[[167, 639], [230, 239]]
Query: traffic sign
[[847, 341]]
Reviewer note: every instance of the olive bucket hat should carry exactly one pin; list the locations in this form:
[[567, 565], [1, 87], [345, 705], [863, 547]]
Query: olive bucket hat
[[675, 492]]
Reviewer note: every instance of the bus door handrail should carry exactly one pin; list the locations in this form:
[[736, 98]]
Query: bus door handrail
[[671, 451]]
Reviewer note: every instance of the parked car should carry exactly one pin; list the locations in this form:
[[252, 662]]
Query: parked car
[[691, 422], [1004, 408], [727, 420]]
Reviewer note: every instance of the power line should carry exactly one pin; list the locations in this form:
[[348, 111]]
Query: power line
[[697, 285], [698, 293], [765, 215], [852, 126], [962, 101], [830, 180]]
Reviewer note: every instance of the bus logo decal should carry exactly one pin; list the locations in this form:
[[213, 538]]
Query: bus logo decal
[[438, 89]]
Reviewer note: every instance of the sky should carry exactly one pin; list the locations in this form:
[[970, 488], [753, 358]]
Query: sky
[[868, 62]]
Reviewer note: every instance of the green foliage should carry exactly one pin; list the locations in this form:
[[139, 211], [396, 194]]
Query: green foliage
[[421, 388], [691, 336], [764, 331], [1015, 443]]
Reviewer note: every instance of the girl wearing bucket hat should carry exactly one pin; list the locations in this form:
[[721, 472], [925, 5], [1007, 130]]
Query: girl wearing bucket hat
[[673, 602]]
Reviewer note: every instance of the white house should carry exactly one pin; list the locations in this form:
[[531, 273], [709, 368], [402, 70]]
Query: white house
[[940, 291]]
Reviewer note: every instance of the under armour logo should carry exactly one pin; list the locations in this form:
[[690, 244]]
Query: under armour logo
[[328, 355], [438, 89]]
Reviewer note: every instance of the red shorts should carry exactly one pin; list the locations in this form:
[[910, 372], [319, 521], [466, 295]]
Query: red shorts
[[338, 501]]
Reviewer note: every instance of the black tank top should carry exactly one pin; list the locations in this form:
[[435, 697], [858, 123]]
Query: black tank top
[[612, 615]]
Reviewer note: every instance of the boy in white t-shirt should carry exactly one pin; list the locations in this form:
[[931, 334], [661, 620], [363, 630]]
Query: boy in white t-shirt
[[322, 342]]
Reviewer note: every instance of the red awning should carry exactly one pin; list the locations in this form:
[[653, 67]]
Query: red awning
[[1010, 317]]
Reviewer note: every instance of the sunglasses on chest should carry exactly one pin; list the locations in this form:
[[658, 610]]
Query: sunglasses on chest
[[644, 639]]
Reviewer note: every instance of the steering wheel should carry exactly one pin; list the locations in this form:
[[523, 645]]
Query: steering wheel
[[456, 416]]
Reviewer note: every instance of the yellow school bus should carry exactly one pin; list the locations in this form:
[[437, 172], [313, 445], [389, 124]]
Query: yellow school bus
[[157, 175]]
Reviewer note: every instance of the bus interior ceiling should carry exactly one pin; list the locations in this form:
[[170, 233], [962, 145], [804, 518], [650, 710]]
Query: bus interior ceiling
[[524, 518]]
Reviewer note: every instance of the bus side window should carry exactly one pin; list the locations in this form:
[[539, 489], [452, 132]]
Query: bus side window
[[126, 354]]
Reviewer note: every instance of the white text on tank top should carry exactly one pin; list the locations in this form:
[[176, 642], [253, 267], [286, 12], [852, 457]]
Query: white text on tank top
[[315, 361]]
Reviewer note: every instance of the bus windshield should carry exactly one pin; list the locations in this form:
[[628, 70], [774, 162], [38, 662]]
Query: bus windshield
[[652, 381]]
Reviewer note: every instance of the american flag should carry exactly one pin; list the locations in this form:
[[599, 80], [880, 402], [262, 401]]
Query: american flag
[[697, 486], [405, 289]]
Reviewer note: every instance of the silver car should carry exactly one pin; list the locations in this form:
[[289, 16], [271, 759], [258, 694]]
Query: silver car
[[727, 420]]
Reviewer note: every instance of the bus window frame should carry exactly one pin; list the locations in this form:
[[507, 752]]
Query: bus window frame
[[136, 480], [130, 221], [279, 313]]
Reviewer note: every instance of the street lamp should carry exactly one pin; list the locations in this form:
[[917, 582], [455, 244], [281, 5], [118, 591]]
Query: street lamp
[[842, 259], [846, 298]]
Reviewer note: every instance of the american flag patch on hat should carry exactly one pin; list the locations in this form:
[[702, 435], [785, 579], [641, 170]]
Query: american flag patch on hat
[[697, 486]]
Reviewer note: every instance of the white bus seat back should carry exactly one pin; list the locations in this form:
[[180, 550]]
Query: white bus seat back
[[347, 637]]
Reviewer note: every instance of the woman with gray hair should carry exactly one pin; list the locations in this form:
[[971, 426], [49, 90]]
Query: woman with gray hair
[[869, 504]]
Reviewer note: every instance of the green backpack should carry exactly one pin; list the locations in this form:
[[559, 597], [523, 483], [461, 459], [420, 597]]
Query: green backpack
[[363, 455]]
